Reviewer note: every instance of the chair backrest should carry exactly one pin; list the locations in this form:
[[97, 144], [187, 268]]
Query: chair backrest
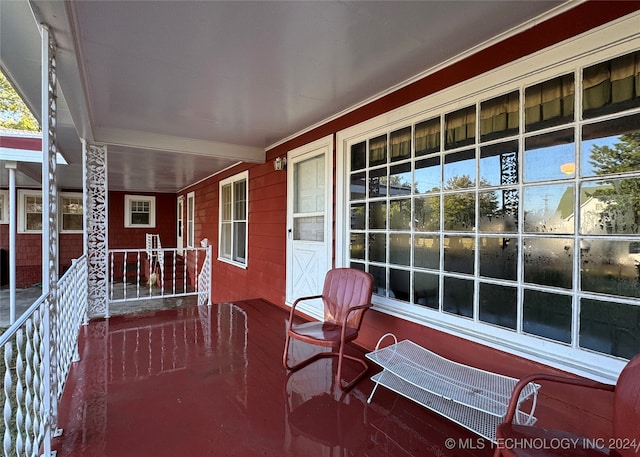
[[626, 409], [343, 289]]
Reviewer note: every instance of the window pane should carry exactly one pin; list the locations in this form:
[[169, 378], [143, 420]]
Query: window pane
[[34, 221], [400, 249], [225, 240], [550, 156], [427, 137], [378, 247], [358, 216], [548, 261], [240, 238], [358, 156], [547, 315], [426, 289], [140, 218], [499, 257], [72, 222], [460, 170], [611, 86], [460, 211], [378, 182], [426, 251], [498, 305], [460, 128], [549, 103], [549, 209], [379, 279], [427, 175], [611, 147], [240, 200], [378, 150], [308, 228], [226, 202], [377, 215], [399, 283], [400, 180], [610, 267], [458, 296], [499, 164], [611, 328], [610, 207], [400, 214], [498, 211], [401, 144], [356, 246], [458, 254], [358, 186], [309, 186], [500, 116], [427, 213]]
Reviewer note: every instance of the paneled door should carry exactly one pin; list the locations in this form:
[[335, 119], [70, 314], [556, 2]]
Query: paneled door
[[309, 221]]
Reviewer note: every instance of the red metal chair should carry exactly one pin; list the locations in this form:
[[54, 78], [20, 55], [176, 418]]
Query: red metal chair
[[346, 296], [626, 422]]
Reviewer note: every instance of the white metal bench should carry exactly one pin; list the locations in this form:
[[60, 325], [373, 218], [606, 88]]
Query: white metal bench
[[474, 398]]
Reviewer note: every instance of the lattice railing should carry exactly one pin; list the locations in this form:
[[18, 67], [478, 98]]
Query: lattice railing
[[29, 402]]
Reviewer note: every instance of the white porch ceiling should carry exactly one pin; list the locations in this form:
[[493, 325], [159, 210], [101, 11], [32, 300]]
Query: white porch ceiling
[[180, 90]]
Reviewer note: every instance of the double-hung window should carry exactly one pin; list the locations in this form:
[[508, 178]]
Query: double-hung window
[[30, 209], [4, 207], [234, 193], [140, 211], [71, 218]]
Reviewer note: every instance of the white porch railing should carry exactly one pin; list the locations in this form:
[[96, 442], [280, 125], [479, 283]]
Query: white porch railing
[[154, 272], [38, 350]]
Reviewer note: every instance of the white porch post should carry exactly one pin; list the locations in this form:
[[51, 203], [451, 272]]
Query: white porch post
[[95, 197], [11, 166], [49, 234]]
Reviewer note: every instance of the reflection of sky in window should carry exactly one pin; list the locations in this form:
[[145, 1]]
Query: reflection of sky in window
[[460, 168], [544, 163], [543, 199], [490, 171]]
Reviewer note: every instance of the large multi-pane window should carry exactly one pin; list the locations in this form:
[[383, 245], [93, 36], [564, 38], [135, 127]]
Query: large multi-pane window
[[233, 218], [520, 211]]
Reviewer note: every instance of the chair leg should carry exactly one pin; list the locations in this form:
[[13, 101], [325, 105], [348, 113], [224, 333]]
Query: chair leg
[[341, 356]]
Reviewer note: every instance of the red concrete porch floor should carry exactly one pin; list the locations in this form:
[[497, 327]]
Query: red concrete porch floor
[[208, 381]]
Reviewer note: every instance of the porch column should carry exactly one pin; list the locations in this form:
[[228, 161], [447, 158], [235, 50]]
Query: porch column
[[49, 230], [11, 166], [95, 202]]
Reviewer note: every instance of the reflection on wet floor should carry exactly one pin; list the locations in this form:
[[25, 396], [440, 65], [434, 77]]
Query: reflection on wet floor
[[209, 381]]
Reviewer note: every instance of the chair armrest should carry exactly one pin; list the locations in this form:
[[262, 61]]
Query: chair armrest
[[515, 394], [295, 303]]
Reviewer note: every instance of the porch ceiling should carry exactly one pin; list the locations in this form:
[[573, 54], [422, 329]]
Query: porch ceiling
[[180, 90]]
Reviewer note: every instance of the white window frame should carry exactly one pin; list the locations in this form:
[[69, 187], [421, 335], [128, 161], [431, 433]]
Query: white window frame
[[62, 196], [22, 209], [4, 206], [191, 220], [595, 46], [129, 199], [221, 255]]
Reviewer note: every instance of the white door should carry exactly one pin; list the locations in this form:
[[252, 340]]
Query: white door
[[309, 221], [180, 225]]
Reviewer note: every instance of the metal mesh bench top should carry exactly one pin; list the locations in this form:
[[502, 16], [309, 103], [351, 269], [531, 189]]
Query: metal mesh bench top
[[419, 374]]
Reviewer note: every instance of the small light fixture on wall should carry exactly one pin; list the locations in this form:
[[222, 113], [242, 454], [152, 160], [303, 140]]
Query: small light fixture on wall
[[280, 163]]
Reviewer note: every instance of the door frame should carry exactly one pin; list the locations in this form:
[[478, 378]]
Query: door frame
[[180, 224], [325, 145]]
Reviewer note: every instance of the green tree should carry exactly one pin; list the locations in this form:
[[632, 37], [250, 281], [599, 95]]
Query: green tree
[[14, 113]]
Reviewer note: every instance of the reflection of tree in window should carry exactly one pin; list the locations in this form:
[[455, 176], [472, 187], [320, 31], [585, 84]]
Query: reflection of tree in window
[[622, 197], [460, 208]]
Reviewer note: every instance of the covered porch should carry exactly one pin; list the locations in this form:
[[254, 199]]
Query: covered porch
[[208, 380]]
